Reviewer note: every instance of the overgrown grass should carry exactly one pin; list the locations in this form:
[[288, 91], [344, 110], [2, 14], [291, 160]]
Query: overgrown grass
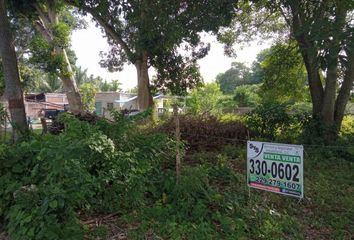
[[212, 201], [51, 185]]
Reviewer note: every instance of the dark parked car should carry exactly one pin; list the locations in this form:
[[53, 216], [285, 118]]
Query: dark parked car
[[51, 113]]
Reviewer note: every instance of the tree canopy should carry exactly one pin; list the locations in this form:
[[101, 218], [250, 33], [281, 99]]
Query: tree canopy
[[239, 74], [50, 24], [205, 99], [147, 33], [284, 74], [323, 31], [247, 95]]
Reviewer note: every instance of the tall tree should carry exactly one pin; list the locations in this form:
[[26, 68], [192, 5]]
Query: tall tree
[[324, 31], [239, 74], [247, 95], [149, 33], [13, 89], [49, 47]]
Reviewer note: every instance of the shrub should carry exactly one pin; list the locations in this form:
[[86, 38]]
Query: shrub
[[347, 129], [246, 95], [48, 181], [205, 100], [274, 122], [206, 132], [314, 132]]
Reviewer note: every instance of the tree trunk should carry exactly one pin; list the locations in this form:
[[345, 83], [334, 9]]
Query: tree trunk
[[344, 92], [329, 97], [316, 88], [328, 107], [13, 89], [309, 55], [70, 87], [66, 73], [144, 95]]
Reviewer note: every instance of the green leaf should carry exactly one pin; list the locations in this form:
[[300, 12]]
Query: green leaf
[[17, 168], [53, 204], [27, 219]]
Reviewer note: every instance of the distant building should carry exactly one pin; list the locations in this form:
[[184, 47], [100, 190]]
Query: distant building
[[107, 100], [36, 102], [121, 101]]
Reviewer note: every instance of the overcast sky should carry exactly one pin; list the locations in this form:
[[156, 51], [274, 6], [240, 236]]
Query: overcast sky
[[87, 43]]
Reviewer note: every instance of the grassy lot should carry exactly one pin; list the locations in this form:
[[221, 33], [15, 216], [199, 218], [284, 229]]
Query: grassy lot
[[213, 202], [112, 180]]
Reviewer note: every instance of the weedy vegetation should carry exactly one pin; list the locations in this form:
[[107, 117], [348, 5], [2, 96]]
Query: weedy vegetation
[[52, 185]]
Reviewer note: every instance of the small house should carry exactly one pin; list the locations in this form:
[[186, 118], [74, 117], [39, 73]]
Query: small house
[[36, 102], [121, 101], [107, 100]]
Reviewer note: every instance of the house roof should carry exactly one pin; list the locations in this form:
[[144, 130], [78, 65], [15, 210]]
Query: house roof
[[135, 97], [155, 97], [126, 100]]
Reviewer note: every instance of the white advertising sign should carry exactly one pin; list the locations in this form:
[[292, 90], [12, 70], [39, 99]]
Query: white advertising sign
[[276, 168]]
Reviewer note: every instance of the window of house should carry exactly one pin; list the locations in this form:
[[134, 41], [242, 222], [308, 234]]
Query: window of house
[[109, 105]]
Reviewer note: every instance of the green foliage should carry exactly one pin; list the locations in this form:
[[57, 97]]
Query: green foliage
[[284, 75], [274, 122], [227, 104], [239, 74], [177, 77], [81, 78], [112, 86], [49, 182], [43, 31], [36, 80], [252, 21], [205, 100], [44, 57], [216, 206], [47, 179], [347, 128], [247, 95], [155, 33], [314, 131], [61, 33], [88, 93]]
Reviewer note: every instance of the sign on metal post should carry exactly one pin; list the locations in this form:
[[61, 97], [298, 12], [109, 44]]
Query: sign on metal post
[[276, 168]]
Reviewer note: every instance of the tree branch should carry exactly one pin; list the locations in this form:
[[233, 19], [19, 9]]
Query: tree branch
[[45, 33], [110, 31], [113, 34], [42, 16]]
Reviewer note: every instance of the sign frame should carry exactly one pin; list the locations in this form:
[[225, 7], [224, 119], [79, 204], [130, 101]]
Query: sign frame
[[276, 167]]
